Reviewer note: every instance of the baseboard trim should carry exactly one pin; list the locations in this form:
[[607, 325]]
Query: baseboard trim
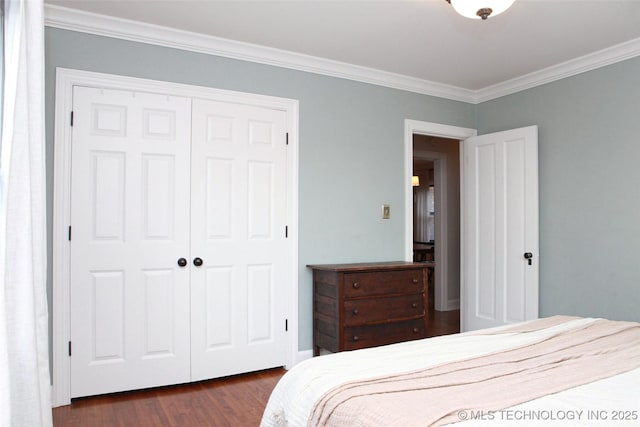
[[453, 304], [304, 355]]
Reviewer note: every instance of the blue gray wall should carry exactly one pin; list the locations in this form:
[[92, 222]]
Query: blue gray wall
[[351, 142], [589, 159], [351, 162]]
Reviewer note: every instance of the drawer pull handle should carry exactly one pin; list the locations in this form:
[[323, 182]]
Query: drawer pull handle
[[414, 305], [356, 338], [416, 330], [356, 285], [355, 311], [415, 280]]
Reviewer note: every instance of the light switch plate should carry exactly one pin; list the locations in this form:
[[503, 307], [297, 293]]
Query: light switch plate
[[386, 212]]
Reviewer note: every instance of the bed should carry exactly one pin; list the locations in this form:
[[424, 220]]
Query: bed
[[562, 370]]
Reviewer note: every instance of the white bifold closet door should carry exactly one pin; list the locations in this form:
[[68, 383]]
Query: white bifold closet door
[[178, 259]]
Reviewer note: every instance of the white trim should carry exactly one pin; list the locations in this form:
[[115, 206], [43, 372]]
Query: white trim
[[412, 127], [61, 260], [304, 355], [463, 239], [592, 61], [103, 25], [66, 79]]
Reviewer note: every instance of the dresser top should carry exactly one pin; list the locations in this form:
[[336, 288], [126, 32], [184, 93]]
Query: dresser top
[[370, 266]]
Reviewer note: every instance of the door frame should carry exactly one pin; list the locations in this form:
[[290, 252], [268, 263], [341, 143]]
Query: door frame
[[66, 79], [412, 127]]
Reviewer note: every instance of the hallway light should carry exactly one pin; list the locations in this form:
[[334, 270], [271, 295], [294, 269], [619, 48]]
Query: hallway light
[[415, 181]]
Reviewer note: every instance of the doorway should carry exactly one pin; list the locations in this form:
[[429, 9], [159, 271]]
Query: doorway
[[522, 161], [442, 239], [436, 222]]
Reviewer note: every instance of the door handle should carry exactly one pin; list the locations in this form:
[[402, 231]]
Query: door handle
[[197, 262], [528, 256], [182, 262]]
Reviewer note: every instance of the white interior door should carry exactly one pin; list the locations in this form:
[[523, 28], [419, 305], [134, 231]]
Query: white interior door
[[130, 224], [238, 225], [500, 219]]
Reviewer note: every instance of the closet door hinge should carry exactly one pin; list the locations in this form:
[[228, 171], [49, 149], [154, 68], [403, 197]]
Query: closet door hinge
[[72, 119], [287, 138], [69, 232], [286, 325], [69, 348], [286, 231]]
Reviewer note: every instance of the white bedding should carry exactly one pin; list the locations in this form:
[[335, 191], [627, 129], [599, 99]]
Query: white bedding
[[613, 401]]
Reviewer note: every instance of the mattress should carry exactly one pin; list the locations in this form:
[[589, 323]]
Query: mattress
[[613, 400]]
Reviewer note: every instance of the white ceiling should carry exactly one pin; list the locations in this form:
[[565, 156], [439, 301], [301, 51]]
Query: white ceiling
[[421, 39]]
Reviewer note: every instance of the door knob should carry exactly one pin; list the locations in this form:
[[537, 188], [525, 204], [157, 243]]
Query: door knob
[[197, 262], [182, 262], [528, 256]]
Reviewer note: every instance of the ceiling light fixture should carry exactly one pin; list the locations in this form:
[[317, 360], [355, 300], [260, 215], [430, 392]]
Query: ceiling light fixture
[[480, 9]]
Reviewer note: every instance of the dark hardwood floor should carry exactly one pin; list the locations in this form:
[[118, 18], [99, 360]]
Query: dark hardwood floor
[[228, 402], [236, 401], [443, 323]]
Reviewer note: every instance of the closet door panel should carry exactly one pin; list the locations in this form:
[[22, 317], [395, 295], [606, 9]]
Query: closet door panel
[[130, 225], [238, 221]]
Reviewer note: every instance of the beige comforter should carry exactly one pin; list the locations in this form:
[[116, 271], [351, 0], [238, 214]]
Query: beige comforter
[[436, 395]]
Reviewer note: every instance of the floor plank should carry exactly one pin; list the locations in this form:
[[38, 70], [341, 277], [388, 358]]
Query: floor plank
[[443, 323], [232, 401], [236, 401]]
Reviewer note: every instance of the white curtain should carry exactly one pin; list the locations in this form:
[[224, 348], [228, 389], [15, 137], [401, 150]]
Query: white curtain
[[25, 390]]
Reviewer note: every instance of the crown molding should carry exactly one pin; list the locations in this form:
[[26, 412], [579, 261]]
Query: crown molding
[[103, 25], [582, 64], [75, 20]]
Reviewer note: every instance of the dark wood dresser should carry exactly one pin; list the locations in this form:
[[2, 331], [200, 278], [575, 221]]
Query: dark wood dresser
[[368, 304]]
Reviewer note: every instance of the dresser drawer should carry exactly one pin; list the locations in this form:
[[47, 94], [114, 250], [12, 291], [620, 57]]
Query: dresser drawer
[[368, 304], [382, 283], [357, 337], [378, 310]]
